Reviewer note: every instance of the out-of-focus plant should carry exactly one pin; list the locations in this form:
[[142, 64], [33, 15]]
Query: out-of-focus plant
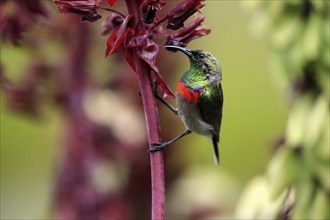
[[88, 184], [296, 184]]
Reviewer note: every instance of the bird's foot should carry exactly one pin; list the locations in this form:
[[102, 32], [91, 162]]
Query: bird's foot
[[158, 146]]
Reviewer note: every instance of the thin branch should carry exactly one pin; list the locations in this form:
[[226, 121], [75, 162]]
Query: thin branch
[[158, 23], [168, 105], [112, 10]]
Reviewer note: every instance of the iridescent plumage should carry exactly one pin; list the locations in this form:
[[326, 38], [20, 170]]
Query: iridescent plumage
[[199, 98]]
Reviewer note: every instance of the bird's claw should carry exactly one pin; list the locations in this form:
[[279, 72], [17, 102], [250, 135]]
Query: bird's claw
[[158, 146]]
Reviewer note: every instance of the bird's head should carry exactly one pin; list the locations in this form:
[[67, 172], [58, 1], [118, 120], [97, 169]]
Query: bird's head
[[203, 61]]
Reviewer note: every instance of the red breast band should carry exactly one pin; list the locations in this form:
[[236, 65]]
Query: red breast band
[[189, 94]]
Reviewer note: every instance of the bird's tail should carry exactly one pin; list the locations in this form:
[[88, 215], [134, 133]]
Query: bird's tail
[[216, 150]]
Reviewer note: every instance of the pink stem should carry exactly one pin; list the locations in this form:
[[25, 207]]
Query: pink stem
[[156, 159], [153, 129], [158, 23]]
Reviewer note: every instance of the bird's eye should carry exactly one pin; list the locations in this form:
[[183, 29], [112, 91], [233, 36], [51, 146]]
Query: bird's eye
[[203, 68], [206, 67]]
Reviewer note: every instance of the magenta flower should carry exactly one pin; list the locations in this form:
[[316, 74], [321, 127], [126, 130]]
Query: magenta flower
[[184, 35], [181, 12]]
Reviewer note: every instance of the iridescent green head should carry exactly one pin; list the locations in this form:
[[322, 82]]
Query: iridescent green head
[[202, 62]]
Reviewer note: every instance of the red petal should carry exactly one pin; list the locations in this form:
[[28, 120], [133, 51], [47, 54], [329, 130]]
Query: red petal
[[184, 35], [148, 53], [181, 12], [110, 42], [128, 54], [137, 41], [167, 92], [117, 37], [111, 2]]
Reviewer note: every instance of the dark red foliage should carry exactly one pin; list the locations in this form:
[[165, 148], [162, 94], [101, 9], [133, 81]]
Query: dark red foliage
[[183, 36], [76, 195], [123, 37], [87, 9], [27, 97], [117, 37], [128, 55], [166, 91], [111, 2], [181, 12], [12, 29], [23, 99], [136, 40], [148, 52], [127, 37], [35, 7], [148, 10], [16, 17]]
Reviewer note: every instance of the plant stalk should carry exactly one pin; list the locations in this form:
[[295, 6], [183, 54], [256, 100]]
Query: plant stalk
[[153, 128]]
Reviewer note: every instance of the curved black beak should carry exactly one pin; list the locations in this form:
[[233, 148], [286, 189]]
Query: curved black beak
[[182, 49]]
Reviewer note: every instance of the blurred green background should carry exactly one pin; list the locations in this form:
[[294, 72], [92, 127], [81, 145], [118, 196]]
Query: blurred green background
[[254, 116]]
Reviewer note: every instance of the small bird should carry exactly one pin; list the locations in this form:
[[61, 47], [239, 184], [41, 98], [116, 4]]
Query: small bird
[[199, 98]]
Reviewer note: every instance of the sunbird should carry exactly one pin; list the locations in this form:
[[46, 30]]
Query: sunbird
[[199, 98]]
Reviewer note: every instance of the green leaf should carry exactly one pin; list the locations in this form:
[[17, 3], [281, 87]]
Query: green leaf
[[282, 171], [286, 32], [316, 119], [256, 201], [312, 37], [304, 197], [320, 207], [297, 121]]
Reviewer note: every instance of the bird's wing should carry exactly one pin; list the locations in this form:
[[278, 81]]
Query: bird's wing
[[210, 107]]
